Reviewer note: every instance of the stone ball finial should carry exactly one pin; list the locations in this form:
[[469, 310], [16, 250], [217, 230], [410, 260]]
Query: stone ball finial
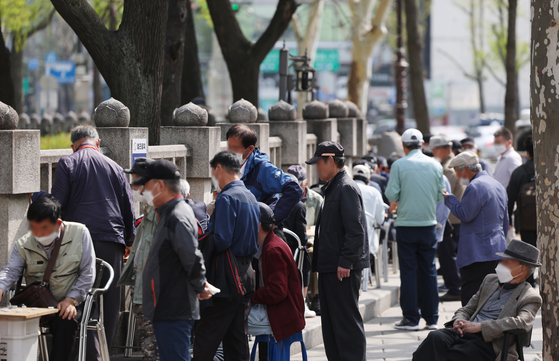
[[34, 121], [57, 122], [262, 116], [111, 113], [84, 117], [8, 117], [315, 110], [24, 121], [282, 110], [190, 115], [70, 121], [338, 109], [242, 111], [46, 124], [353, 110]]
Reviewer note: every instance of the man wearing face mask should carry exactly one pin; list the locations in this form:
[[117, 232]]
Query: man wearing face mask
[[485, 222], [93, 190], [447, 249], [72, 277], [504, 302], [174, 275], [132, 271], [234, 223], [268, 183], [509, 159]]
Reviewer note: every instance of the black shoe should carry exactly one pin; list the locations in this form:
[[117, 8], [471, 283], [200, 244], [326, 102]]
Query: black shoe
[[449, 298], [315, 305], [443, 288], [407, 325]]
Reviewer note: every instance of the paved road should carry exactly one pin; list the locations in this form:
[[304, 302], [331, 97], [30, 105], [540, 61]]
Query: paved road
[[384, 342]]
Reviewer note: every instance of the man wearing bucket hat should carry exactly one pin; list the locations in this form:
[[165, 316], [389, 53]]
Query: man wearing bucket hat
[[485, 222], [504, 302]]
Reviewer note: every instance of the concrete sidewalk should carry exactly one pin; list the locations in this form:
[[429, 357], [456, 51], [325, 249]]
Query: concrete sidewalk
[[386, 343]]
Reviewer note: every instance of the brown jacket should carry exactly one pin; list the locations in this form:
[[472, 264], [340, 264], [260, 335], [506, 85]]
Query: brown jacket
[[455, 187], [518, 313]]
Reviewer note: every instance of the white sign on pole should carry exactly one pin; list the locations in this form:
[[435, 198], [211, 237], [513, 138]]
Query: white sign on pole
[[139, 149]]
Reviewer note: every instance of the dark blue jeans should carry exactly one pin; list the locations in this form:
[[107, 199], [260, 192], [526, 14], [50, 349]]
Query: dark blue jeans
[[418, 273], [173, 339]]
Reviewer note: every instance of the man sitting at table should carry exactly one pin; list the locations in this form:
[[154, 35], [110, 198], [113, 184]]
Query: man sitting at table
[[74, 271], [504, 302]]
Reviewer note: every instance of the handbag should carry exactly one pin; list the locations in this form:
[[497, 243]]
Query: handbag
[[38, 294]]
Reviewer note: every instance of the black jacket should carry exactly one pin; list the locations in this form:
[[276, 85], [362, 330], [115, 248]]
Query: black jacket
[[297, 223], [520, 176], [200, 212], [341, 228]]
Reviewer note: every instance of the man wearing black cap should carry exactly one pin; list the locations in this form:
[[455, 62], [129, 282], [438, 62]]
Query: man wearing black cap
[[341, 253], [174, 273], [504, 302], [469, 143], [132, 271]]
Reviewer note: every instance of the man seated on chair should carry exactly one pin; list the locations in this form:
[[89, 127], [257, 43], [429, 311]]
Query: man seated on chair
[[73, 274], [277, 306], [504, 302]]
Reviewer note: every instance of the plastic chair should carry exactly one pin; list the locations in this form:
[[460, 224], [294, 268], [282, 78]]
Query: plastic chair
[[299, 256], [87, 323], [279, 351], [367, 274], [523, 339]]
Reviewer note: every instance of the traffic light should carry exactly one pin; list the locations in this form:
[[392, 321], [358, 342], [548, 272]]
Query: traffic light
[[235, 7]]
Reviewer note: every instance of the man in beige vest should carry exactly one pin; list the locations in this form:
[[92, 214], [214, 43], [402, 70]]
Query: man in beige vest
[[447, 249], [73, 274]]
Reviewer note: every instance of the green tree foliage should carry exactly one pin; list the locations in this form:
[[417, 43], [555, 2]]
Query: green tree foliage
[[22, 18]]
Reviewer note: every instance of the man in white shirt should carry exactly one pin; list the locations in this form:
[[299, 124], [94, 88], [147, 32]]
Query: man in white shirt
[[372, 201], [509, 159]]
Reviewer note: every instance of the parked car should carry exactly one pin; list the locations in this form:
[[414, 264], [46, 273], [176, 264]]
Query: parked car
[[386, 125], [483, 136], [452, 132]]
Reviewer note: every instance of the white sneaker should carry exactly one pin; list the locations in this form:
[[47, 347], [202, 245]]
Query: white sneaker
[[432, 327], [309, 313]]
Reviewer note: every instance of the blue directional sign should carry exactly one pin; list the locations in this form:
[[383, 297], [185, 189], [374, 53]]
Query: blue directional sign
[[33, 64], [51, 57], [64, 71]]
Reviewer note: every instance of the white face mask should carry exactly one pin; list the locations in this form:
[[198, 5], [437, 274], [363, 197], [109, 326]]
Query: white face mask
[[504, 274], [215, 182], [239, 156], [46, 240], [464, 181], [148, 195], [138, 196], [500, 148]]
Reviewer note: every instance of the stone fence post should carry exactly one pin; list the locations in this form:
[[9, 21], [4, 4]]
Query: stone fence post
[[244, 112], [292, 132], [20, 175], [190, 129]]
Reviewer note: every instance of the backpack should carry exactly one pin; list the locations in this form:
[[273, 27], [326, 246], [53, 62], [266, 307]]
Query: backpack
[[527, 217]]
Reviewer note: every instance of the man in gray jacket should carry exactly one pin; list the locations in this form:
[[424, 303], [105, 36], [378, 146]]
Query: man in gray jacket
[[504, 302], [174, 274]]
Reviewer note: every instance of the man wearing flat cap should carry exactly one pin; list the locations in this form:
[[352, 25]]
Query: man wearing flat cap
[[341, 252], [174, 276], [485, 222], [504, 302]]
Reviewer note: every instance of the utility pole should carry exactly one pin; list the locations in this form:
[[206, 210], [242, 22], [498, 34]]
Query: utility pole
[[400, 68]]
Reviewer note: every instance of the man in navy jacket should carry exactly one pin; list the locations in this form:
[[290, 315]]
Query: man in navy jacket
[[268, 183]]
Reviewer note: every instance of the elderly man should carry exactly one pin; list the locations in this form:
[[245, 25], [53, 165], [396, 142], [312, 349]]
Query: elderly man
[[485, 222], [200, 209], [415, 188], [341, 254], [504, 302], [94, 190], [174, 275], [72, 277], [447, 249], [509, 159], [469, 143]]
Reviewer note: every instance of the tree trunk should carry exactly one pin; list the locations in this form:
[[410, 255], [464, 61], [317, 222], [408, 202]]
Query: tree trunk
[[479, 81], [7, 95], [17, 77], [359, 74], [97, 90], [173, 60], [191, 84], [544, 90], [510, 94], [243, 58], [416, 71], [130, 59]]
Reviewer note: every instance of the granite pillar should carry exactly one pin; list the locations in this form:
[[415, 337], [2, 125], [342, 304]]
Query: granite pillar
[[293, 134], [362, 142], [347, 127], [262, 132], [324, 129], [119, 142]]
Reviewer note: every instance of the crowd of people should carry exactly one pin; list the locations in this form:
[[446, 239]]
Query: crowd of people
[[271, 250]]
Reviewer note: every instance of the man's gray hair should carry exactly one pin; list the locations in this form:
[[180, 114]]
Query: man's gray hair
[[531, 269], [472, 167], [84, 131], [185, 188]]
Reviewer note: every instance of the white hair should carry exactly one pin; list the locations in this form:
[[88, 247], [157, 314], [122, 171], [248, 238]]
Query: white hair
[[185, 188], [472, 167]]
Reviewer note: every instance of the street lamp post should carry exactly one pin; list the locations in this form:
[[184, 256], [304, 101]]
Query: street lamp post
[[401, 70], [304, 75]]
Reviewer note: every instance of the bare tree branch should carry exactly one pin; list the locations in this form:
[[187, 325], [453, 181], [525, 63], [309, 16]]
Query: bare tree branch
[[222, 13], [297, 28], [457, 64], [42, 24]]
